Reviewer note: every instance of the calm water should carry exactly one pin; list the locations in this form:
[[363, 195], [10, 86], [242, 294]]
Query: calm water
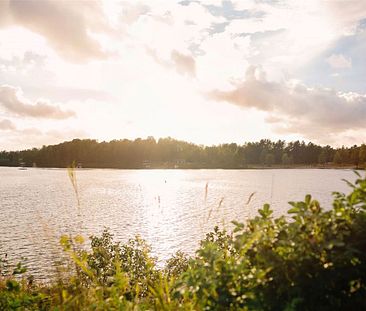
[[169, 208]]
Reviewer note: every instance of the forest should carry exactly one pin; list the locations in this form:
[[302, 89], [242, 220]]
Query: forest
[[172, 153]]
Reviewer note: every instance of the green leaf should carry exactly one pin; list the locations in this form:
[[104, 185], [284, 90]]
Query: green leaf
[[12, 285], [308, 199], [349, 183], [293, 210], [266, 211]]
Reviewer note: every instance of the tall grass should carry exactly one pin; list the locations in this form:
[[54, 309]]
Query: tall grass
[[71, 171]]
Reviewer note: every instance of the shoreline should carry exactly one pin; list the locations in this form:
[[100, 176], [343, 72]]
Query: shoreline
[[168, 167]]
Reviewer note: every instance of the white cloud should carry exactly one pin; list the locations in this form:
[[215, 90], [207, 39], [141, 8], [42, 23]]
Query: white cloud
[[12, 100], [175, 29], [315, 113], [346, 14], [131, 12], [31, 137], [339, 61], [223, 59], [66, 26], [184, 64], [6, 124]]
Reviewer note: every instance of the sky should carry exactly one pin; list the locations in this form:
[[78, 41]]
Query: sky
[[207, 72]]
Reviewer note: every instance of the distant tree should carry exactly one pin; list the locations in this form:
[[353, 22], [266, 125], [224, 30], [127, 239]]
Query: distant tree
[[354, 155], [252, 153], [270, 159], [345, 155], [362, 154], [285, 159], [240, 156], [263, 156], [322, 159], [166, 152], [337, 157], [278, 150]]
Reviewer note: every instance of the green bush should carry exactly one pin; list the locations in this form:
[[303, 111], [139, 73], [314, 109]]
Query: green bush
[[310, 259], [313, 260]]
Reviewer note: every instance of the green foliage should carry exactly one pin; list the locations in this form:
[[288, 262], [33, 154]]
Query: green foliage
[[313, 261], [21, 294], [133, 258], [176, 265], [310, 259], [169, 153]]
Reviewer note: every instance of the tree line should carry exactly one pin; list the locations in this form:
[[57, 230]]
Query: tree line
[[172, 153]]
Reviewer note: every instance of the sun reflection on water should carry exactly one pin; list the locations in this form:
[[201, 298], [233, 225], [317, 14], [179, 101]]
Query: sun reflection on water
[[171, 209]]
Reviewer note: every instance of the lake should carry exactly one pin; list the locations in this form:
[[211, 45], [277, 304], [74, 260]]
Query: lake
[[171, 209]]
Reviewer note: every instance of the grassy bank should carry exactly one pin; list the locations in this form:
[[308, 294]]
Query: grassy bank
[[309, 259]]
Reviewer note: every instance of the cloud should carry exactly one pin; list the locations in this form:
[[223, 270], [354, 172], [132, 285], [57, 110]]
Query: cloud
[[12, 100], [214, 43], [294, 108], [66, 26], [65, 94], [27, 63], [131, 12], [224, 58], [347, 13], [287, 35], [6, 124], [31, 137], [184, 64], [339, 61], [178, 28]]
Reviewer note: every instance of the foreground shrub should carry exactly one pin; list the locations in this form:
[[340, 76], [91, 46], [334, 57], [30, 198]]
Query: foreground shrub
[[313, 260], [310, 259]]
